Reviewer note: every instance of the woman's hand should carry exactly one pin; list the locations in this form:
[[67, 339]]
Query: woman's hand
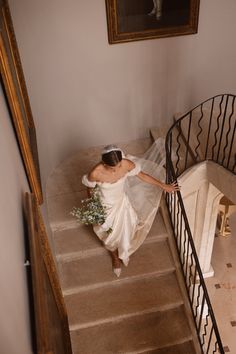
[[171, 188]]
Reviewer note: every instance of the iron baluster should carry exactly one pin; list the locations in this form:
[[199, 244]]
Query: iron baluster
[[229, 129], [217, 128], [185, 241], [187, 269], [178, 231], [205, 329], [209, 340], [177, 150], [190, 274], [222, 127], [175, 214], [171, 206], [231, 146], [197, 303], [216, 348], [181, 227], [209, 127], [187, 145], [200, 131], [201, 312]]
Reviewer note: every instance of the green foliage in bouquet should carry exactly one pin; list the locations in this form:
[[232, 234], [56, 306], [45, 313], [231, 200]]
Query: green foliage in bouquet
[[92, 212]]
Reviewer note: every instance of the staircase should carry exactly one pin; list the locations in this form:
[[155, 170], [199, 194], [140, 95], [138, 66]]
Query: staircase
[[145, 310]]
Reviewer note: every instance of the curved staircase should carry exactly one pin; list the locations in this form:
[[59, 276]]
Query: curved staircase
[[145, 310]]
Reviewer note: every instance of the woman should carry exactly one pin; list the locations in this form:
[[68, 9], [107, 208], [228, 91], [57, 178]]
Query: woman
[[130, 205]]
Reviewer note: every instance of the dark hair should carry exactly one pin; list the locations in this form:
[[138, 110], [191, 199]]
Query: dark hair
[[112, 158]]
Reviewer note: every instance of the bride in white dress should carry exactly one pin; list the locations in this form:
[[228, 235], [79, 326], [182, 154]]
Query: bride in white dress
[[131, 197]]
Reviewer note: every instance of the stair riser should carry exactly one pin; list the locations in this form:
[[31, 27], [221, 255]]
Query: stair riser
[[123, 299], [129, 335], [81, 239], [149, 258]]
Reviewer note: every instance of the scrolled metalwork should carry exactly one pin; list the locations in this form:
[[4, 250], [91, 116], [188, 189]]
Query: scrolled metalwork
[[207, 132], [229, 129]]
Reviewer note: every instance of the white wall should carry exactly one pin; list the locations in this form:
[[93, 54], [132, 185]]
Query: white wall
[[14, 312], [85, 92], [209, 58]]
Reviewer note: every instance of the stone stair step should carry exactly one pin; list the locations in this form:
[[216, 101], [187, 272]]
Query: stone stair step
[[156, 330], [59, 208], [119, 300], [181, 348], [150, 258], [158, 229], [66, 178], [75, 241], [81, 241]]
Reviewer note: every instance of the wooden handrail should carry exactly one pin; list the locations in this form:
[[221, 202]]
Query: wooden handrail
[[51, 322]]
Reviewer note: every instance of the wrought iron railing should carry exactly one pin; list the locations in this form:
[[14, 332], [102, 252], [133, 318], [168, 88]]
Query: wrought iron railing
[[207, 132]]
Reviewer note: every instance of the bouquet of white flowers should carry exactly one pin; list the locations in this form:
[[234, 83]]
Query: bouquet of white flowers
[[92, 212]]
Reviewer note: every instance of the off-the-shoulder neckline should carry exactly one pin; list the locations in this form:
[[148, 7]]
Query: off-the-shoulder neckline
[[97, 182], [125, 175]]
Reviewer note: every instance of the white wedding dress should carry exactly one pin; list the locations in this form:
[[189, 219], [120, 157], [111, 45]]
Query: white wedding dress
[[131, 204]]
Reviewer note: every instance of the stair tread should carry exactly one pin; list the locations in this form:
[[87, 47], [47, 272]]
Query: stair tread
[[157, 330], [123, 299], [182, 348], [59, 208], [149, 258], [66, 177], [82, 238]]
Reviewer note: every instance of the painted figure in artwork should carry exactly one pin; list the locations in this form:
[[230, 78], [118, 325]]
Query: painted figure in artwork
[[157, 9]]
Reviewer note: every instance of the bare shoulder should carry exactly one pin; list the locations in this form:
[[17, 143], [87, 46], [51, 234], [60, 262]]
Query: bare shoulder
[[128, 164], [95, 172]]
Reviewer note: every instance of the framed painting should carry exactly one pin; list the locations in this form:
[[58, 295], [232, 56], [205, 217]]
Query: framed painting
[[132, 20], [14, 86]]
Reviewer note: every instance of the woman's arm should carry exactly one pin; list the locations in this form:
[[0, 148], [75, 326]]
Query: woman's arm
[[169, 188]]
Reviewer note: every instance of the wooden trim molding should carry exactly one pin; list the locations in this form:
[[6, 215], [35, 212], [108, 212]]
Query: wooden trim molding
[[51, 321], [18, 101]]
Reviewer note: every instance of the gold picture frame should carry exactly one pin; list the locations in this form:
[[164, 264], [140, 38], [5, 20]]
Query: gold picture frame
[[133, 20], [14, 86]]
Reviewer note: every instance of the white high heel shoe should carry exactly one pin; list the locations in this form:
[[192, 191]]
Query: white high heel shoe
[[117, 271], [116, 262]]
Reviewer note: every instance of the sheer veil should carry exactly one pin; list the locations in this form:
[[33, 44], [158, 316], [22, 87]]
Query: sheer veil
[[145, 198]]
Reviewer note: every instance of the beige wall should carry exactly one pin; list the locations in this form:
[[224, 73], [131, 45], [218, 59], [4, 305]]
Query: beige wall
[[14, 307], [85, 92]]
